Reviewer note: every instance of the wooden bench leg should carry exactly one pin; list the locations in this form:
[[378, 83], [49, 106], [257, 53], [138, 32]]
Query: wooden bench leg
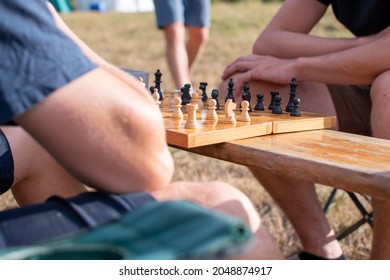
[[367, 216]]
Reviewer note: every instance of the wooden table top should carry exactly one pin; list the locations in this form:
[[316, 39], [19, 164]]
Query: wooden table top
[[346, 161]]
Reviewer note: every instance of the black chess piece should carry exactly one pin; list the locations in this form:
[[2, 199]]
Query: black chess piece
[[271, 104], [259, 105], [215, 95], [295, 111], [157, 82], [277, 109], [185, 94], [230, 89], [292, 93], [151, 89], [202, 87], [246, 95]]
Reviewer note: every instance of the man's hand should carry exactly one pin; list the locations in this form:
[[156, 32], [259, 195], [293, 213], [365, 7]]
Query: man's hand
[[261, 68]]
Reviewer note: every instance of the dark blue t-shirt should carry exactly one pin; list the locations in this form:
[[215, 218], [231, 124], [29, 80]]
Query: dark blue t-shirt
[[361, 17], [36, 58]]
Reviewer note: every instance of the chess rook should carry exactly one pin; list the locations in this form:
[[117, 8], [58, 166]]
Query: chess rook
[[167, 100], [191, 120]]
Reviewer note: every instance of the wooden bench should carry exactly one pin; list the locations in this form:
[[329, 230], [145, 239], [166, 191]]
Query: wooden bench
[[345, 161]]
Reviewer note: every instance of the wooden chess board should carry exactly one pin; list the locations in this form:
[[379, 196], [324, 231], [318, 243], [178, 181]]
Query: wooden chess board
[[262, 123]]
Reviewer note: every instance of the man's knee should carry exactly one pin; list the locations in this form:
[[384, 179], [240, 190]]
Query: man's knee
[[199, 36], [380, 88], [380, 97]]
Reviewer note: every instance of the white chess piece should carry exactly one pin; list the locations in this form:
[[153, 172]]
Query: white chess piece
[[230, 106], [212, 113], [244, 117], [177, 113], [156, 97], [191, 121], [166, 102]]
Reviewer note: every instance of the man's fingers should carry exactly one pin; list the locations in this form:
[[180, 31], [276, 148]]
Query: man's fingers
[[238, 67]]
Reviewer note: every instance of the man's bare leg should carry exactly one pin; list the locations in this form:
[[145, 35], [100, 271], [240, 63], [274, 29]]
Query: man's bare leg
[[318, 238], [228, 200], [198, 37], [176, 53], [380, 117], [37, 175], [299, 202]]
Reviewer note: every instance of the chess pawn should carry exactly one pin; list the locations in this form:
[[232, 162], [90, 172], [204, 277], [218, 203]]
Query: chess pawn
[[195, 99], [151, 89], [259, 105], [211, 113], [230, 106], [277, 109], [214, 95], [191, 121], [244, 117], [156, 96], [177, 113], [295, 110]]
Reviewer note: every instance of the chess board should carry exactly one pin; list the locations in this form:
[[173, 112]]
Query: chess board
[[262, 123]]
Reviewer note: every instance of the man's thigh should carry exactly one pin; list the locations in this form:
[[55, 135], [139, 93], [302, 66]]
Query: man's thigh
[[353, 107]]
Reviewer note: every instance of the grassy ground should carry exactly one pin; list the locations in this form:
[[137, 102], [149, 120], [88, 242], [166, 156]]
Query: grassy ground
[[132, 40]]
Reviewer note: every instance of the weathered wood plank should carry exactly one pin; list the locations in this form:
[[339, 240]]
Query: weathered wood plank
[[346, 161]]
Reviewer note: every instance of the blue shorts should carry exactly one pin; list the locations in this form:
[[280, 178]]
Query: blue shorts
[[36, 58], [6, 164], [190, 12]]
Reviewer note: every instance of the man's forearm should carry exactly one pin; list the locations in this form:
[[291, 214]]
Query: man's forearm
[[285, 44], [358, 65]]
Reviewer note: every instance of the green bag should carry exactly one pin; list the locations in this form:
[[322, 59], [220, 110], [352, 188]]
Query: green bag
[[158, 230]]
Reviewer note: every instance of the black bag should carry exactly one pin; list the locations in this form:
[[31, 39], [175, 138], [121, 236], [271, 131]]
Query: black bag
[[60, 218], [91, 226]]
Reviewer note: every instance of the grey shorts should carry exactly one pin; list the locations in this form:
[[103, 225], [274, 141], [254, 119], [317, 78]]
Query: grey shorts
[[353, 108], [190, 12], [36, 58], [6, 164]]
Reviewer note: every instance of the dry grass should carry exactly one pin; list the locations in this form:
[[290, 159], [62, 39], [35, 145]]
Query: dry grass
[[132, 40]]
